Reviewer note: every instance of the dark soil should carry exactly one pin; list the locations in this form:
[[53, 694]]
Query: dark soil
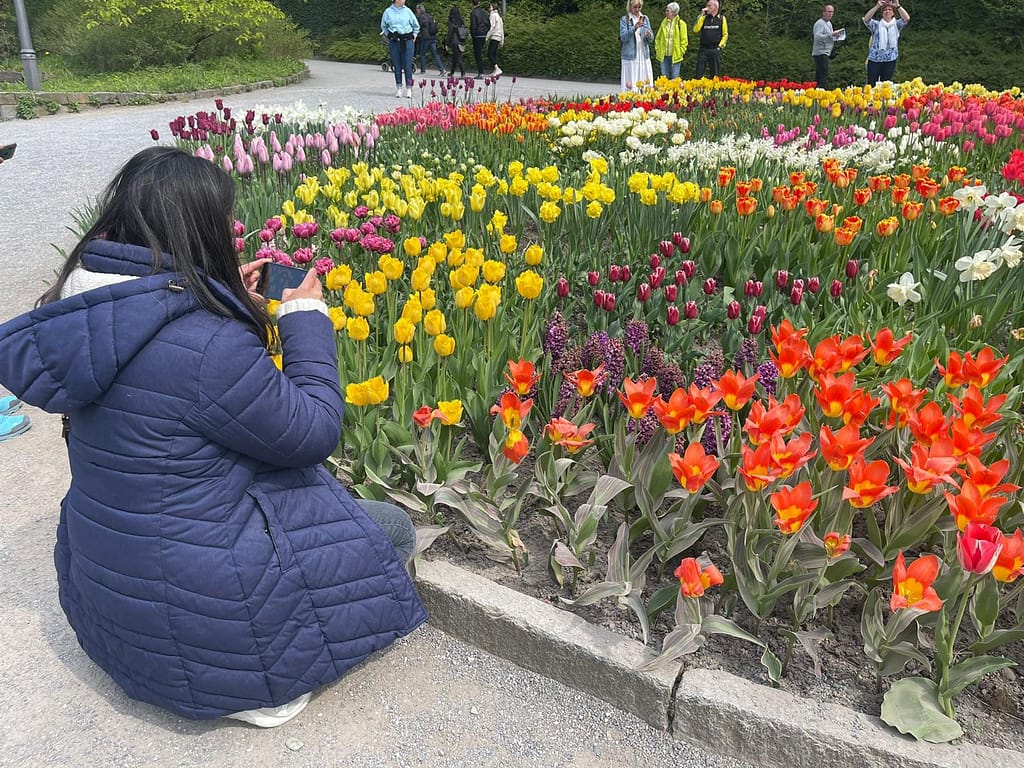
[[991, 713]]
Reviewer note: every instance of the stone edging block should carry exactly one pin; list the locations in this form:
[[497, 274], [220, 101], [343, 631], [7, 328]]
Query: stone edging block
[[715, 710]]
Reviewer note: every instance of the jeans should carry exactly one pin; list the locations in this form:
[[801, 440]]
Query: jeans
[[401, 60], [880, 71], [478, 52], [707, 58], [821, 70], [669, 68], [431, 46], [395, 524]]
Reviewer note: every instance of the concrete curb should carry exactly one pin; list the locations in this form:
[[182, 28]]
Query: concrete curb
[[754, 723], [52, 102]]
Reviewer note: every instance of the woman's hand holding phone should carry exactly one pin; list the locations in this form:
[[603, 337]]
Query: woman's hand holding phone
[[309, 288], [250, 273]]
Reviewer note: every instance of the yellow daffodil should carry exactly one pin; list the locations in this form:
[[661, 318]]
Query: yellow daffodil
[[594, 209], [549, 212]]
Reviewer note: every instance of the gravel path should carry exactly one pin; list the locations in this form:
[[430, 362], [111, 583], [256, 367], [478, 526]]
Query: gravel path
[[428, 701]]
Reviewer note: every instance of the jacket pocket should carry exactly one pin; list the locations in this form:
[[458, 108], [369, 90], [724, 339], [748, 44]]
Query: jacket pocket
[[272, 526]]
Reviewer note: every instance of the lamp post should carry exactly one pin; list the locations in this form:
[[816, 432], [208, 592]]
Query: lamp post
[[28, 55]]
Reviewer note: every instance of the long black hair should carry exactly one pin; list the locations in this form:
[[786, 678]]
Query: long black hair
[[455, 17], [174, 203]]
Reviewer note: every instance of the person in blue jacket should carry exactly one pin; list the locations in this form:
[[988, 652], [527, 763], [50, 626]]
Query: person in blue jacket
[[205, 558], [400, 27]]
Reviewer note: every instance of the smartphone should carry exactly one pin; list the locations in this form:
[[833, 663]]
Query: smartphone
[[7, 151], [274, 278]]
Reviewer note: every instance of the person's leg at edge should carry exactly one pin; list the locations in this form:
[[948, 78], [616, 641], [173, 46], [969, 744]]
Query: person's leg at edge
[[821, 70], [408, 68], [437, 57], [701, 63], [492, 55], [478, 53], [889, 70], [676, 69], [874, 71], [714, 62], [395, 523], [395, 49]]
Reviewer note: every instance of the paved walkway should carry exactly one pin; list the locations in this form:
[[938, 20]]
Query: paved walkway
[[428, 701]]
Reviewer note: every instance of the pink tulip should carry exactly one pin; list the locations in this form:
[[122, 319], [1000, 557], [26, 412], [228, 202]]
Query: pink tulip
[[978, 547]]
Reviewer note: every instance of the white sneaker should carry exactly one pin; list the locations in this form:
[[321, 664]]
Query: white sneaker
[[408, 93], [271, 717], [496, 72], [398, 93]]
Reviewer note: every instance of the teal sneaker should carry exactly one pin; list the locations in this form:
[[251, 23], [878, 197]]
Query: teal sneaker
[[9, 404], [12, 426]]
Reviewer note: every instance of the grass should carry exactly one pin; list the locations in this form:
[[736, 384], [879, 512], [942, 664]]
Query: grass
[[58, 76]]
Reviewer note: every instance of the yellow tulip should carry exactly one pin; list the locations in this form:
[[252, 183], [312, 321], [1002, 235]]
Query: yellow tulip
[[420, 280], [288, 208], [490, 292], [405, 354], [464, 297], [494, 271], [339, 277], [428, 299], [444, 345], [338, 318], [390, 266], [438, 252], [533, 255], [477, 199], [358, 328], [485, 308], [450, 411], [456, 257], [529, 284], [404, 330], [507, 244], [412, 246], [370, 392], [434, 322], [455, 239], [376, 282], [475, 257], [413, 310]]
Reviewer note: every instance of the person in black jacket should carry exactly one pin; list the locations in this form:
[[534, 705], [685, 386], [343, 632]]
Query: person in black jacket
[[479, 26], [428, 40], [456, 40], [713, 31]]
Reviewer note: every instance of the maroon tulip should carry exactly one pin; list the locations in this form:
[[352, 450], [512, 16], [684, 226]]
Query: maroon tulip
[[671, 292], [672, 315], [852, 268], [709, 286], [626, 273], [748, 288], [689, 268], [666, 248], [680, 277], [814, 284], [836, 289], [643, 291], [690, 310], [657, 277], [781, 279], [761, 311], [609, 302], [680, 242], [154, 134], [593, 278], [755, 324], [219, 103], [615, 273], [227, 115], [598, 298], [655, 260], [732, 310], [796, 296], [562, 287], [798, 283]]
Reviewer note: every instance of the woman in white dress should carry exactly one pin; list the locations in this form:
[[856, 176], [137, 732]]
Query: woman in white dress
[[635, 38]]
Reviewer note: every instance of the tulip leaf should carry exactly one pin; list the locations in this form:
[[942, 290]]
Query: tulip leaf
[[719, 625], [912, 706], [971, 670], [662, 600], [985, 606], [997, 639], [427, 535], [830, 595], [681, 641], [772, 664], [598, 592]]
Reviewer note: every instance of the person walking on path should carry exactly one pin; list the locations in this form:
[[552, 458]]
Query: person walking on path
[[635, 38], [399, 25], [456, 40], [670, 42], [495, 39], [206, 559], [824, 44], [479, 25], [885, 39], [428, 40], [714, 32]]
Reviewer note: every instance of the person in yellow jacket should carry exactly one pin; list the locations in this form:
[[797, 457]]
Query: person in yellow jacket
[[713, 33], [670, 42]]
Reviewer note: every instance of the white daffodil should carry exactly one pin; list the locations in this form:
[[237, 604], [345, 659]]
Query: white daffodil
[[970, 197], [1010, 253], [980, 266], [994, 205], [1012, 219], [904, 289]]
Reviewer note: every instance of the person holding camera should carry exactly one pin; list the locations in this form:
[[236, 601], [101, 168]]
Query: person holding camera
[[401, 28], [824, 45], [885, 38], [635, 38], [714, 32], [670, 42], [206, 559]]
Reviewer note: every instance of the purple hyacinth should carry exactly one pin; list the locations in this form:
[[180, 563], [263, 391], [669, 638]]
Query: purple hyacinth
[[709, 370], [670, 378], [571, 359], [615, 364], [717, 428], [636, 335], [566, 392], [556, 337], [594, 349], [644, 428], [653, 362], [769, 376]]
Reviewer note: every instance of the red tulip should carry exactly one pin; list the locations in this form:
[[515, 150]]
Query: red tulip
[[593, 278], [609, 302], [562, 287], [836, 289], [672, 315], [690, 310], [733, 310], [852, 268]]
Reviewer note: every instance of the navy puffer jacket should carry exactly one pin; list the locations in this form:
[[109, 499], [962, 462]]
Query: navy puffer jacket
[[205, 559]]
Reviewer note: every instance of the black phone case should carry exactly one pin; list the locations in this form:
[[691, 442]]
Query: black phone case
[[274, 278]]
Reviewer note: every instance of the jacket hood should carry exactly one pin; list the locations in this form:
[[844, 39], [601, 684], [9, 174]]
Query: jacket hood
[[66, 354]]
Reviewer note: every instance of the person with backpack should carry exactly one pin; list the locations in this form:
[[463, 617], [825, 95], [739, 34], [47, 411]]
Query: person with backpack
[[456, 40], [428, 40], [479, 26], [670, 42]]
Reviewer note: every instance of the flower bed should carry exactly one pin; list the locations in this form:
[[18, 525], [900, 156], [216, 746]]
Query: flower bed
[[786, 318]]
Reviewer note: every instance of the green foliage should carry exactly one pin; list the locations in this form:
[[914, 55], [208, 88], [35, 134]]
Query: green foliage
[[103, 36], [26, 107]]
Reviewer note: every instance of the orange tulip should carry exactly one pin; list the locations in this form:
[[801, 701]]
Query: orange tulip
[[970, 506], [736, 389], [716, 207], [975, 411], [844, 236], [744, 188], [956, 173], [984, 368], [856, 223], [836, 544], [694, 468], [703, 400], [423, 416], [968, 441], [675, 413], [918, 172], [796, 177], [726, 175], [792, 357], [815, 207], [693, 581], [928, 423], [953, 373], [832, 393], [638, 396], [824, 223], [840, 449], [745, 206], [899, 195], [857, 409], [879, 183], [903, 400], [902, 181], [516, 446], [887, 227], [948, 206], [1010, 563], [793, 506], [911, 210], [586, 381], [522, 376], [988, 479], [862, 196], [784, 332], [512, 410], [867, 483], [566, 434], [789, 457], [782, 417], [757, 468], [912, 587], [927, 188], [885, 348], [929, 466]]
